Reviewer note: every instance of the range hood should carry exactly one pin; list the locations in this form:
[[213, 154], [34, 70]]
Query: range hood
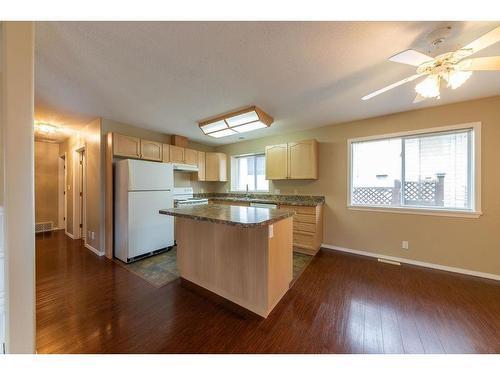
[[185, 167]]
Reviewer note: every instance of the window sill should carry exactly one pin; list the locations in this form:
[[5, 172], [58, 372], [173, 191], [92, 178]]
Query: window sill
[[419, 211]]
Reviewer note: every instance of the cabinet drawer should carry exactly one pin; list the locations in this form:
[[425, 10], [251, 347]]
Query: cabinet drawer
[[304, 227], [310, 210], [304, 218], [303, 240]]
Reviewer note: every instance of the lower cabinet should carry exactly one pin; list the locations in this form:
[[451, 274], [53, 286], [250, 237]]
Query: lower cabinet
[[307, 227]]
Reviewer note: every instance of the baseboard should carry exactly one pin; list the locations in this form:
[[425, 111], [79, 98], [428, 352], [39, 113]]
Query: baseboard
[[70, 235], [93, 249], [414, 262]]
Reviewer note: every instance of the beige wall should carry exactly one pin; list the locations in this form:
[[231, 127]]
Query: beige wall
[[472, 244], [19, 220], [46, 182]]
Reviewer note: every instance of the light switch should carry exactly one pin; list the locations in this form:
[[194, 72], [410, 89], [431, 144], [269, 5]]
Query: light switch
[[271, 231]]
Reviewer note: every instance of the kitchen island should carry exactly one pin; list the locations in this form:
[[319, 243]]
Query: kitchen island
[[243, 254]]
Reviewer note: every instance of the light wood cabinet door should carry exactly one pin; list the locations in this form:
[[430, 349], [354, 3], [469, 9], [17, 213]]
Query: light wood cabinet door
[[166, 153], [215, 166], [303, 159], [151, 150], [190, 156], [125, 146], [176, 154], [201, 166], [276, 162]]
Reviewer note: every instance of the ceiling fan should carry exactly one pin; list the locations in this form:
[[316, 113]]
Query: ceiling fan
[[453, 67]]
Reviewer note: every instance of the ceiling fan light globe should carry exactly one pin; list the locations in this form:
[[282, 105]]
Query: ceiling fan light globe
[[429, 87], [457, 78]]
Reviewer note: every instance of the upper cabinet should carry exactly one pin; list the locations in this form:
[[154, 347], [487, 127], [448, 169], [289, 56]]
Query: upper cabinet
[[212, 166], [294, 160], [128, 147], [303, 159], [176, 154], [151, 150], [215, 166], [277, 162], [133, 147], [166, 153], [190, 156], [201, 166]]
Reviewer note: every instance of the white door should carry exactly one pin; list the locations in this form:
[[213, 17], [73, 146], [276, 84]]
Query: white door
[[148, 229], [149, 175]]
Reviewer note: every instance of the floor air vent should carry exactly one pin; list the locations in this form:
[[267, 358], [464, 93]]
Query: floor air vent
[[44, 227]]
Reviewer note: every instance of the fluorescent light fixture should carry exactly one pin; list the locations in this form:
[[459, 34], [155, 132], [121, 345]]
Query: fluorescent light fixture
[[237, 121], [222, 133], [214, 126], [244, 118], [249, 127]]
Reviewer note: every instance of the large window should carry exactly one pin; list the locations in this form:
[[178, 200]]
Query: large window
[[425, 170], [248, 172]]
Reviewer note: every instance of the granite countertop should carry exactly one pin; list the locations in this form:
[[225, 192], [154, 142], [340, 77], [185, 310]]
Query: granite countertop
[[232, 215], [292, 200]]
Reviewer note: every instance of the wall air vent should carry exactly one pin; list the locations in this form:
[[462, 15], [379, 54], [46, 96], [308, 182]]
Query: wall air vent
[[46, 226]]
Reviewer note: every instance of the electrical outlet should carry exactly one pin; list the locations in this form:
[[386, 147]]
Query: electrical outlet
[[93, 235], [277, 191], [405, 245]]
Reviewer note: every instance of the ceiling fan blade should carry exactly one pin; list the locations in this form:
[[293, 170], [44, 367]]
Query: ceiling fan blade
[[482, 42], [410, 57], [480, 63], [396, 84], [419, 98]]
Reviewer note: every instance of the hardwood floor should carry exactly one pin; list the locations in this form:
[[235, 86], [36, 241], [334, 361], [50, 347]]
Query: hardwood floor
[[340, 304]]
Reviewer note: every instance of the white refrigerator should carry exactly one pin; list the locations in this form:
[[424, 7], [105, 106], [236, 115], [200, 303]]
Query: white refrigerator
[[142, 188]]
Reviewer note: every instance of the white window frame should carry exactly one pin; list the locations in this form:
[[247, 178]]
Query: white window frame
[[234, 173], [475, 182]]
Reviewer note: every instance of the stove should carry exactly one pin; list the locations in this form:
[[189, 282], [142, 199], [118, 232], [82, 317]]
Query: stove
[[184, 197]]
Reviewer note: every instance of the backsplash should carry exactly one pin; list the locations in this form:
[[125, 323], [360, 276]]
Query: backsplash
[[280, 198]]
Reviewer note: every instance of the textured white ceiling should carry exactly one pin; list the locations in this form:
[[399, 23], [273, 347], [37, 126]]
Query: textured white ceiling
[[165, 76]]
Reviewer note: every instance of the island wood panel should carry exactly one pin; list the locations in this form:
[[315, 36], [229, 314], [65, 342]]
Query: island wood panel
[[240, 264]]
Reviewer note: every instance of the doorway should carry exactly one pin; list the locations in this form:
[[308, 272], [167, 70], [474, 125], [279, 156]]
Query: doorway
[[80, 198], [62, 201]]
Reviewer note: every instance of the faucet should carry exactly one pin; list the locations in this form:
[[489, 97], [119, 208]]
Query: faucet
[[246, 195]]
